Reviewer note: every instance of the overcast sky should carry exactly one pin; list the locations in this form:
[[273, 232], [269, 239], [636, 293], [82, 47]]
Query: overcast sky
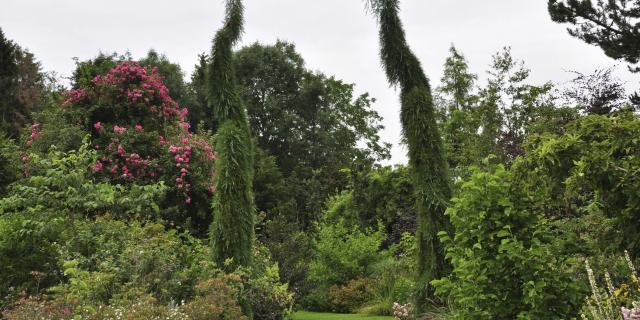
[[336, 37]]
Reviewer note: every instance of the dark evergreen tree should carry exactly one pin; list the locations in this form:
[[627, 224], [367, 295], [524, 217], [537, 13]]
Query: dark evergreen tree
[[232, 230], [22, 87], [8, 74], [172, 76], [426, 152], [200, 115], [87, 70], [613, 25], [457, 82]]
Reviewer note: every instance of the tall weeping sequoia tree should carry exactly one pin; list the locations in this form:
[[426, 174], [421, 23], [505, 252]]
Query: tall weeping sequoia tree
[[232, 229], [421, 134]]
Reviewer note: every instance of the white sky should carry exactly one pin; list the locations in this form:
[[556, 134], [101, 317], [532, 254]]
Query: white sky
[[336, 37]]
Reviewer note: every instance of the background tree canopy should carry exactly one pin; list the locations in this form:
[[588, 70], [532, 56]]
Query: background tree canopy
[[255, 186]]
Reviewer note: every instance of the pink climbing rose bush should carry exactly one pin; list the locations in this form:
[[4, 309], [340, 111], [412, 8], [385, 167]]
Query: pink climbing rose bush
[[141, 133]]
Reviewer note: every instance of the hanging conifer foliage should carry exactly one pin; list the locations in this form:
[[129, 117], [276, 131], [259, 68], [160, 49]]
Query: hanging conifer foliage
[[233, 205], [425, 149]]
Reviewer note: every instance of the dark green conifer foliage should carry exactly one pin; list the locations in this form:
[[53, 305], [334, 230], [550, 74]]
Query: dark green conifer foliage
[[426, 153], [610, 24], [232, 230], [22, 87]]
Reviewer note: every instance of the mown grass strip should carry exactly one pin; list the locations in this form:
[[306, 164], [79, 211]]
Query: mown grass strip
[[305, 315]]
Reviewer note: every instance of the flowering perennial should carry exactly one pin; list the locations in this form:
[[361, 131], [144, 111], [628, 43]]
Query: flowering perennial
[[401, 311]]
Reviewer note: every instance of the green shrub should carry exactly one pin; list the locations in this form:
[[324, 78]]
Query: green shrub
[[503, 266], [57, 226], [9, 163], [111, 261], [55, 130], [216, 300], [143, 308], [378, 195], [342, 254], [148, 293], [61, 183], [29, 256], [292, 249], [270, 298], [589, 173], [394, 277], [38, 209]]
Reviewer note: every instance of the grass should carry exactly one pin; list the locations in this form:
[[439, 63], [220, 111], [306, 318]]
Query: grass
[[305, 315]]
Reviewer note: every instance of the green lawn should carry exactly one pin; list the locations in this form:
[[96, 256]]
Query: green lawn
[[305, 315]]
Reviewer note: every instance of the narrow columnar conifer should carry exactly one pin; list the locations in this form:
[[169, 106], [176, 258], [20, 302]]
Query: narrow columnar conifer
[[425, 148], [232, 229]]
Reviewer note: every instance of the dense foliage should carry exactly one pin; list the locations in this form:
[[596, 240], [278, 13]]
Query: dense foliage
[[504, 264], [589, 174], [257, 186], [312, 125]]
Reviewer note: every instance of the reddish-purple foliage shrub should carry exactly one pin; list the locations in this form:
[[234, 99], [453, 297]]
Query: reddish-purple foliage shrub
[[352, 295]]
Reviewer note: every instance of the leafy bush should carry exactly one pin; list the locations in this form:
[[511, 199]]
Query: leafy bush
[[36, 307], [216, 300], [40, 208], [292, 249], [270, 299], [9, 163], [503, 265], [381, 195], [118, 270], [54, 130], [61, 182], [110, 260], [587, 178], [342, 254], [29, 256], [145, 307], [60, 225], [110, 263]]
